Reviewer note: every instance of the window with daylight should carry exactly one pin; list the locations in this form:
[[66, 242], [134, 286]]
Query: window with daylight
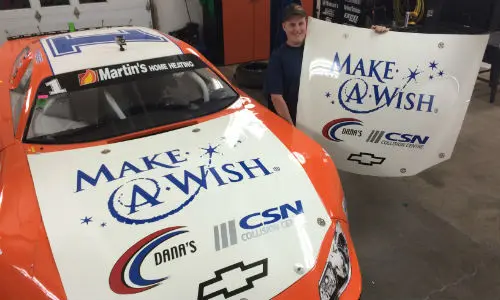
[[91, 1], [14, 4], [46, 3]]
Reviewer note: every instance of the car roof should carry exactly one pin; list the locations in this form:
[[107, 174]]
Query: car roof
[[53, 53], [71, 51]]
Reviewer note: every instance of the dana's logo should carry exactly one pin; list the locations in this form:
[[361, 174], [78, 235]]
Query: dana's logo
[[358, 96], [330, 130], [161, 185], [130, 273], [89, 77]]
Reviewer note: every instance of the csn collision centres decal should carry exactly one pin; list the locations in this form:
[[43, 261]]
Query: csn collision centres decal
[[154, 250], [387, 104], [339, 129], [257, 224]]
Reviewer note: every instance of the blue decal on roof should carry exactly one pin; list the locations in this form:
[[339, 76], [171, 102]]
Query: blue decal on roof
[[67, 44]]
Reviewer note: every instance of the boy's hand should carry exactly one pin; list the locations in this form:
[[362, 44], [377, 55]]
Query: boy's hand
[[379, 29]]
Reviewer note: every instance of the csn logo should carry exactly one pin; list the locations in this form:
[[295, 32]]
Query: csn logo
[[270, 216], [357, 96], [335, 128], [407, 138], [396, 139], [256, 224]]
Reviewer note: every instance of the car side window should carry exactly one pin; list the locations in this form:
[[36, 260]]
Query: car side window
[[20, 60], [19, 94]]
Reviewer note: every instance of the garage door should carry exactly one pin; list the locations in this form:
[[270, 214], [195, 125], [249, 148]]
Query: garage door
[[20, 17]]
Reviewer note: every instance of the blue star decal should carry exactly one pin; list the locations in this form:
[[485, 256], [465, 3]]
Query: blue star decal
[[441, 73], [103, 224], [86, 220], [433, 65], [210, 151], [431, 77], [328, 95], [413, 76]]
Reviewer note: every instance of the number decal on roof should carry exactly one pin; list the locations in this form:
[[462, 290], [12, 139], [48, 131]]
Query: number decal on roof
[[55, 87], [67, 44]]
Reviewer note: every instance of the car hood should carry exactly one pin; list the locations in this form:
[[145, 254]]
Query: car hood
[[209, 211]]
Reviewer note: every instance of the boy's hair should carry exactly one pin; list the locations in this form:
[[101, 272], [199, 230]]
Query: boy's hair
[[293, 10]]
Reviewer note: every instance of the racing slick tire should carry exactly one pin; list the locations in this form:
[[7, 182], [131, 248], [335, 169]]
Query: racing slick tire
[[251, 75]]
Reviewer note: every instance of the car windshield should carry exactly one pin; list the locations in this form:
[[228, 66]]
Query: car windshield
[[106, 102]]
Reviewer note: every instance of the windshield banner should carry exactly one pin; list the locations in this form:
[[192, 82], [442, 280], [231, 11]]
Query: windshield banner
[[387, 104], [113, 74]]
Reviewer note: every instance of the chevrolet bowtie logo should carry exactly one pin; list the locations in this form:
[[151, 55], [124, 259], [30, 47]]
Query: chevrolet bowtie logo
[[233, 280], [366, 159]]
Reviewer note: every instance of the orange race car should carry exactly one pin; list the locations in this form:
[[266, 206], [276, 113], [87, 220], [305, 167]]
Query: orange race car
[[132, 169]]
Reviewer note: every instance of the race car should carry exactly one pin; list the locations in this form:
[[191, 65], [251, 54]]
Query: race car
[[131, 168]]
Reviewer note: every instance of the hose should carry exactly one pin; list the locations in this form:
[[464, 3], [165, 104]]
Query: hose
[[416, 15]]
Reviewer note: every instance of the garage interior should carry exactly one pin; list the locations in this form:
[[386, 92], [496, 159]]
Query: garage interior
[[434, 236]]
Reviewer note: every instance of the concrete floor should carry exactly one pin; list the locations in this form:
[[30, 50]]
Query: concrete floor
[[435, 235]]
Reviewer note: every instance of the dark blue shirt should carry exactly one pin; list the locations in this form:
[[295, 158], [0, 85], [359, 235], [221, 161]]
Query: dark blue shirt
[[283, 76]]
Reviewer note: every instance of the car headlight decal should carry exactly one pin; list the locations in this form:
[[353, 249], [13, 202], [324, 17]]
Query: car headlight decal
[[337, 271]]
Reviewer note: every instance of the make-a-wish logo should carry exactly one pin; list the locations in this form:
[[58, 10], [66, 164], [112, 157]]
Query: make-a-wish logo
[[376, 84], [147, 199], [344, 125], [128, 274]]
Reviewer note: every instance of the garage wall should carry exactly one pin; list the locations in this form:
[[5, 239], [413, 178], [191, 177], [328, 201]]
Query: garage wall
[[170, 15], [19, 20]]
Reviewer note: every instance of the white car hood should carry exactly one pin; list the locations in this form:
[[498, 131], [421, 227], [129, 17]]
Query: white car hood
[[213, 211]]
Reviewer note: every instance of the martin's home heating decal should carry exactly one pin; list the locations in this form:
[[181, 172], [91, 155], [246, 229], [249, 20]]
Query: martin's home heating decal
[[387, 104]]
